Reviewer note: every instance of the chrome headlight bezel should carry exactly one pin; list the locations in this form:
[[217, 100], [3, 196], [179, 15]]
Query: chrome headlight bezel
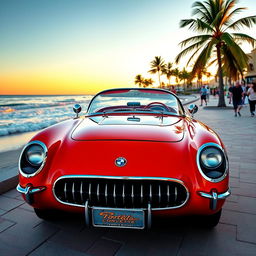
[[25, 163], [223, 165]]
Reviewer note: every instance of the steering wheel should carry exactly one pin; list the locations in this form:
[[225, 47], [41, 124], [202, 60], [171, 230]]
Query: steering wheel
[[157, 103]]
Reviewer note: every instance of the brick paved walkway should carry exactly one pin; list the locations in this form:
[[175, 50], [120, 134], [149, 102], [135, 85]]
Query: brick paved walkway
[[22, 233]]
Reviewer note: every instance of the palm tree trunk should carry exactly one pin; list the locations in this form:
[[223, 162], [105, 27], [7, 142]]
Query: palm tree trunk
[[221, 85], [159, 79]]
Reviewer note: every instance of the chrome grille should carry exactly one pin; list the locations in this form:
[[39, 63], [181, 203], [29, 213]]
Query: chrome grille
[[121, 192]]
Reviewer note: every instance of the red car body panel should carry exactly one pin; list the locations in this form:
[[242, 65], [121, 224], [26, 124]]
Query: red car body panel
[[164, 159]]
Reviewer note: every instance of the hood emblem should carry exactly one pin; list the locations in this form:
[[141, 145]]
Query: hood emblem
[[120, 161]]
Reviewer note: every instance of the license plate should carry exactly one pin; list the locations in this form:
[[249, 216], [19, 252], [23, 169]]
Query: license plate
[[121, 218]]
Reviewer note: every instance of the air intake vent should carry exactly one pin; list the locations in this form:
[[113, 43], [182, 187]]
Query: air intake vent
[[121, 193]]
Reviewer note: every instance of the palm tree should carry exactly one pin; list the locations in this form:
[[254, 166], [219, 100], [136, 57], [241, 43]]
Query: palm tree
[[176, 73], [157, 66], [148, 82], [168, 71], [184, 76], [139, 80], [214, 18]]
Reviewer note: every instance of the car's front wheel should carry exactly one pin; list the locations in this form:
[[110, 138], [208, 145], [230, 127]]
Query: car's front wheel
[[45, 214], [210, 221]]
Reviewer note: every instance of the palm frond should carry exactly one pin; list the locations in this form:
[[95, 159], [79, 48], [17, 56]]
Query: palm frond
[[190, 48], [194, 39], [202, 59], [196, 25], [239, 55], [240, 37], [200, 8], [243, 22], [227, 19]]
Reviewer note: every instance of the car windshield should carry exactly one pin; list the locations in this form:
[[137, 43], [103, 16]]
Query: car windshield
[[135, 100]]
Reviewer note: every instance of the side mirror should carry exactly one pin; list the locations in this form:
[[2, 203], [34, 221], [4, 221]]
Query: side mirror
[[192, 109], [77, 109]]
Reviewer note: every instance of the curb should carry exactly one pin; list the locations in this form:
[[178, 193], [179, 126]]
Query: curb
[[8, 184]]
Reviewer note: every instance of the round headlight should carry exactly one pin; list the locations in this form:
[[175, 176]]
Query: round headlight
[[35, 155], [32, 158], [211, 157], [212, 162]]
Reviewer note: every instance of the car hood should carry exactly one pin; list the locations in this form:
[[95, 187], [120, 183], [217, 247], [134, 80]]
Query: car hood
[[129, 127]]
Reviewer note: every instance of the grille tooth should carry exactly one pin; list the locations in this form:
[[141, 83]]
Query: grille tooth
[[114, 194], [119, 193]]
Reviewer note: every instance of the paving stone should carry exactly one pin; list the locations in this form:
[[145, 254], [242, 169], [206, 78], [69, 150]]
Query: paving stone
[[78, 240], [234, 182], [12, 194], [245, 189], [27, 207], [243, 204], [5, 224], [247, 177], [24, 240], [162, 241], [52, 249], [7, 203], [246, 225], [2, 212], [104, 247], [23, 217]]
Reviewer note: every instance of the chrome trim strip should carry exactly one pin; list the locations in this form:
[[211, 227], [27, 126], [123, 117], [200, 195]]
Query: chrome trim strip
[[176, 194], [132, 194], [149, 220], [106, 193], [114, 194], [214, 197], [221, 196], [150, 192], [123, 178], [73, 191], [159, 193], [81, 191], [36, 142], [168, 193], [29, 189], [86, 214], [65, 190], [98, 191], [141, 193], [198, 162], [90, 191], [123, 195]]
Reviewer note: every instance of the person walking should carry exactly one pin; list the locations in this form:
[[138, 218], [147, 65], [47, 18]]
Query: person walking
[[237, 96], [252, 97], [203, 93]]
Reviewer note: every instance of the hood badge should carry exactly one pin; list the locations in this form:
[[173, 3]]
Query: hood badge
[[120, 161]]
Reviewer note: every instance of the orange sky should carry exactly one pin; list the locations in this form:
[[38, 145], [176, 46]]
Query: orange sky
[[82, 47]]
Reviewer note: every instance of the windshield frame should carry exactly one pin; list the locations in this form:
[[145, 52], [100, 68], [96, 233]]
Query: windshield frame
[[134, 111]]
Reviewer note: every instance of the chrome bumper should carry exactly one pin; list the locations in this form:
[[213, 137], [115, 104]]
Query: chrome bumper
[[214, 197], [28, 191]]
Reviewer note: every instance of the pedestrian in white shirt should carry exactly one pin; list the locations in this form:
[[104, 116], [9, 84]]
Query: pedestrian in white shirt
[[252, 98]]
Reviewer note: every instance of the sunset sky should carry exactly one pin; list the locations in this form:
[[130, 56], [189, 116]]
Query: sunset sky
[[82, 47]]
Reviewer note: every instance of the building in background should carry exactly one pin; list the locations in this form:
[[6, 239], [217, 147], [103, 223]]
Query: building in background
[[251, 72]]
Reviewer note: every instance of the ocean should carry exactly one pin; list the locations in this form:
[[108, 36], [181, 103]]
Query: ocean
[[22, 114]]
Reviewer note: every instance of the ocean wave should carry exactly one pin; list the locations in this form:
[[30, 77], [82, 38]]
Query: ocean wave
[[36, 113]]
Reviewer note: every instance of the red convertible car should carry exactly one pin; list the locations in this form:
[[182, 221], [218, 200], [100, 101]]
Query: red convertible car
[[136, 153]]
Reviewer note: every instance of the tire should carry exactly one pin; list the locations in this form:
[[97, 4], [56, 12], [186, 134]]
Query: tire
[[46, 214], [210, 221]]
